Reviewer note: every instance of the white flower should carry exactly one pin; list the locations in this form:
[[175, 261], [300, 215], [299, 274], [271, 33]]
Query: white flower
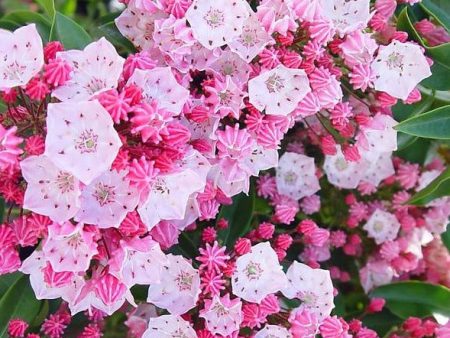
[[50, 190], [342, 173], [258, 274], [382, 226], [313, 287], [380, 166], [347, 15], [179, 287], [159, 84], [170, 193], [81, 138], [21, 56], [169, 326], [215, 23], [379, 134], [398, 68], [296, 176], [251, 41], [95, 69], [273, 331], [279, 90], [222, 315], [107, 200]]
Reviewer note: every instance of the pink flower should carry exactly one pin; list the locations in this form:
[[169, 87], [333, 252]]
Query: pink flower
[[69, 247], [9, 147], [276, 16], [17, 327], [57, 72], [213, 257], [333, 327], [54, 326], [304, 324], [9, 259]]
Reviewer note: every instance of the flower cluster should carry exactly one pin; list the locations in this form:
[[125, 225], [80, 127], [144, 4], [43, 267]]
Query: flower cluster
[[110, 158]]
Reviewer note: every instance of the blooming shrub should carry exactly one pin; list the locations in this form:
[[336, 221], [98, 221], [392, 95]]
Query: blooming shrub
[[234, 171]]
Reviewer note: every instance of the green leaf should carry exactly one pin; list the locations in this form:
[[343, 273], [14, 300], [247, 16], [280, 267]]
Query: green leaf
[[71, 34], [7, 280], [239, 215], [440, 10], [414, 298], [446, 238], [441, 67], [439, 187], [22, 18], [111, 32], [48, 6], [415, 151], [404, 111], [9, 25], [18, 301], [382, 322], [434, 124]]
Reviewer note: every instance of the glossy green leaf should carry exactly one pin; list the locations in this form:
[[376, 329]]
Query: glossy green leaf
[[71, 34], [439, 187], [382, 322], [22, 18], [111, 32], [439, 9], [414, 298], [434, 124], [239, 215], [48, 6], [415, 151], [404, 111], [9, 25], [18, 301]]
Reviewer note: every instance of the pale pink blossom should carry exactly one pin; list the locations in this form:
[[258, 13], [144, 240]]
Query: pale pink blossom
[[296, 176], [160, 84], [251, 41], [169, 326], [312, 286], [398, 68], [222, 315], [276, 16], [273, 331], [21, 56], [95, 69], [50, 191], [258, 274], [279, 90], [81, 139], [179, 286], [347, 16], [138, 261], [107, 200], [168, 198], [216, 23], [382, 226], [69, 247]]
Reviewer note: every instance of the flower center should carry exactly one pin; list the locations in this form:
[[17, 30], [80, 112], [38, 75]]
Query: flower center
[[87, 142], [274, 83], [253, 271], [214, 18], [65, 182], [104, 194], [184, 280]]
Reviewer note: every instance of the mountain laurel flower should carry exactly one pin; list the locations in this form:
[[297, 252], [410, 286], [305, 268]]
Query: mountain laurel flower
[[21, 56]]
